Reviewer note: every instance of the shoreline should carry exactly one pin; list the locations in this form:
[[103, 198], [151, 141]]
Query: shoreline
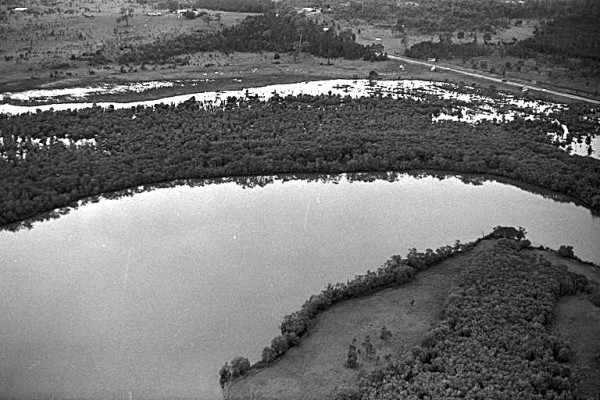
[[469, 178], [304, 71], [320, 353]]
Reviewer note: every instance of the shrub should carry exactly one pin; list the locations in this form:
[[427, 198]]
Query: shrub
[[386, 334], [524, 244], [296, 323], [268, 355], [239, 366], [352, 358], [292, 339], [280, 345], [595, 298], [566, 251], [346, 394]]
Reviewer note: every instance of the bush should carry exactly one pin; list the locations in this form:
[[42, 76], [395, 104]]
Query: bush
[[346, 394], [566, 251], [352, 357], [239, 366], [280, 345], [595, 298], [292, 339], [296, 323], [268, 355]]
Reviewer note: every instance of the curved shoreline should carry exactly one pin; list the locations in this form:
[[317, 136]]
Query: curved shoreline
[[315, 369], [469, 178], [308, 137]]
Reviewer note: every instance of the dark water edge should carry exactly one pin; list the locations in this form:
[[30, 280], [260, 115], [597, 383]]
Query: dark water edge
[[252, 181]]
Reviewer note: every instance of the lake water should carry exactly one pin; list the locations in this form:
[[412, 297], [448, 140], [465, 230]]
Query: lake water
[[147, 296]]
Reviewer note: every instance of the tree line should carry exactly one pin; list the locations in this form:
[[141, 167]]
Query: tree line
[[446, 50], [295, 134], [245, 6], [572, 35], [434, 16], [295, 326]]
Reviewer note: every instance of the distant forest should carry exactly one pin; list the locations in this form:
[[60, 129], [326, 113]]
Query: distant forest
[[571, 39], [434, 16], [247, 6], [288, 33], [322, 134]]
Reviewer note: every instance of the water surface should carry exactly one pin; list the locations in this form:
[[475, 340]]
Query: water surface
[[149, 295]]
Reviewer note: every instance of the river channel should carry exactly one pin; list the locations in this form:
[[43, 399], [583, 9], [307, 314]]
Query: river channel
[[146, 296]]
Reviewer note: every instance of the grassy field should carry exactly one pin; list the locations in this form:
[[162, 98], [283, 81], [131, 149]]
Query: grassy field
[[58, 42], [55, 44]]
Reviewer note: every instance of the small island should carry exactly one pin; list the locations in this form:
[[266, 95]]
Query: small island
[[491, 319]]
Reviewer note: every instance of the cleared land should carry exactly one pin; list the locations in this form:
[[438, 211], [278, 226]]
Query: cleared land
[[76, 43], [315, 369]]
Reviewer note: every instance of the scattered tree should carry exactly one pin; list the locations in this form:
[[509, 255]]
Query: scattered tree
[[125, 14]]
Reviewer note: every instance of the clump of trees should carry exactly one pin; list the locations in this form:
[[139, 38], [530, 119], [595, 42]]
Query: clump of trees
[[239, 366], [287, 33], [492, 342], [446, 50], [570, 40], [246, 6], [434, 16]]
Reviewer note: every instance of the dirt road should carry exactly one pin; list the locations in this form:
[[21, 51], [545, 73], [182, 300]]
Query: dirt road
[[501, 81]]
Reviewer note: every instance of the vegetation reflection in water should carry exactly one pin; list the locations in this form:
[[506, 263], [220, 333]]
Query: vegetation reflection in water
[[249, 182]]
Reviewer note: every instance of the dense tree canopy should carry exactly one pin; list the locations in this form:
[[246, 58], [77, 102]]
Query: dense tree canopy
[[324, 133], [266, 32], [492, 342], [247, 6], [570, 36]]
